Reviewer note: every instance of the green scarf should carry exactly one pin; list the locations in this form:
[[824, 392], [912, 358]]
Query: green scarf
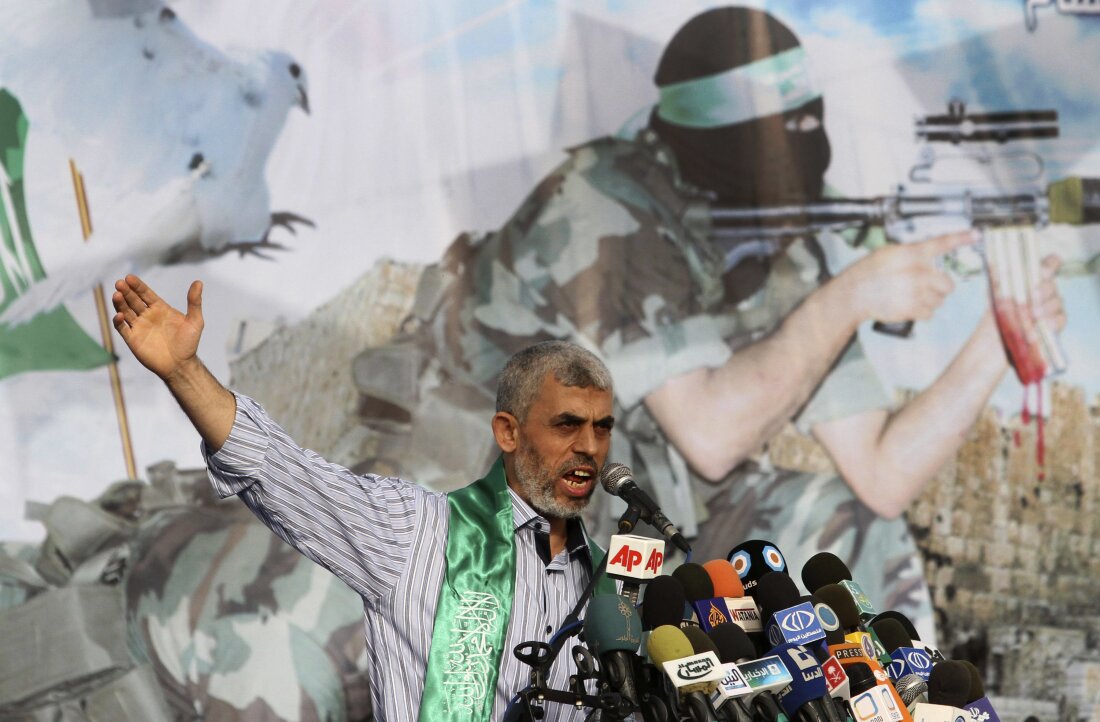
[[475, 602]]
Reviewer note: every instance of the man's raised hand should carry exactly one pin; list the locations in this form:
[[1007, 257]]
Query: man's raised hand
[[160, 337]]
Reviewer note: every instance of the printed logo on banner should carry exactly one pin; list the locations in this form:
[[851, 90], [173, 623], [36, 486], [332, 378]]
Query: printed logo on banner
[[1066, 7]]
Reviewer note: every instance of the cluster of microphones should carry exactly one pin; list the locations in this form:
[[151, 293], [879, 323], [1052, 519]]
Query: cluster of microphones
[[735, 640]]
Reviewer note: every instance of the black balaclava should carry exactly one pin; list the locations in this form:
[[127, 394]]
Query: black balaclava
[[758, 162]]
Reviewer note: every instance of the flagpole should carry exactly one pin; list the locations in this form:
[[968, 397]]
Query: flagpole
[[105, 329]]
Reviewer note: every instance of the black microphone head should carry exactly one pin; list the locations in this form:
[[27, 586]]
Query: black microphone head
[[949, 684], [753, 559], [912, 689], [663, 602], [840, 601], [827, 618], [732, 643], [775, 591], [860, 677], [613, 476], [695, 580], [977, 687], [891, 634], [904, 621], [611, 623], [824, 568], [700, 642]]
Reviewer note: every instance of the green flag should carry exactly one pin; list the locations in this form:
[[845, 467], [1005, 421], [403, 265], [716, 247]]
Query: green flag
[[51, 340]]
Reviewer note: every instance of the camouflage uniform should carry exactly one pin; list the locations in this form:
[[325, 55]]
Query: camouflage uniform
[[171, 608], [611, 251]]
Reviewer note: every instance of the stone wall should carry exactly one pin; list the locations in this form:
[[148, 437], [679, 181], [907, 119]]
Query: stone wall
[[304, 367], [1012, 551]]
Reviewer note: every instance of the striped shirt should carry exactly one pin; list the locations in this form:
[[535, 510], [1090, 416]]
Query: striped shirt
[[386, 539]]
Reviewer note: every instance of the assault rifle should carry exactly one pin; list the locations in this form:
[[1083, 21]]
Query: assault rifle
[[1008, 248]]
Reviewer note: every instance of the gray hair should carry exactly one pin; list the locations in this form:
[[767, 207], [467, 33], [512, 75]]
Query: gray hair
[[523, 375]]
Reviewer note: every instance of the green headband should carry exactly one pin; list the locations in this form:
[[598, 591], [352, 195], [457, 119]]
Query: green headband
[[772, 85]]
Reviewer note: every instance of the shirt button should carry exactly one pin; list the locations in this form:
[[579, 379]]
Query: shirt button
[[549, 629]]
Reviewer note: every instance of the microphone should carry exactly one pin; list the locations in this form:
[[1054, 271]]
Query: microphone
[[729, 597], [827, 618], [753, 559], [789, 620], [807, 696], [906, 659], [948, 687], [827, 568], [949, 684], [693, 675], [618, 480], [697, 587], [978, 705], [663, 602], [911, 630], [634, 560], [841, 602], [912, 689], [764, 677], [871, 700], [613, 631], [731, 698]]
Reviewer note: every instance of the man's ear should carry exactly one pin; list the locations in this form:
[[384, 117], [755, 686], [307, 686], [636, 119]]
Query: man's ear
[[506, 431]]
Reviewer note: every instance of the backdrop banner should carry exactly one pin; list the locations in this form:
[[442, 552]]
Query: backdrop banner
[[385, 200]]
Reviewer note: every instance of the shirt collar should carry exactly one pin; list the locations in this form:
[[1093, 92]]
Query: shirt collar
[[523, 515]]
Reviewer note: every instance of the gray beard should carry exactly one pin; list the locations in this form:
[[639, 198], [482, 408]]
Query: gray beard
[[538, 487]]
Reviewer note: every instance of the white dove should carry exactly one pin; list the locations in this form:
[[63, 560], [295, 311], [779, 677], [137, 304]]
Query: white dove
[[173, 132]]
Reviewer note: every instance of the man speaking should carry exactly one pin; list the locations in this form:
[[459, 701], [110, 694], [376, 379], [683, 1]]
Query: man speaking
[[450, 583]]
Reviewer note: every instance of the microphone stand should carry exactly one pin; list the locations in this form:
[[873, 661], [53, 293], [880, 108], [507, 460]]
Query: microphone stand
[[629, 519]]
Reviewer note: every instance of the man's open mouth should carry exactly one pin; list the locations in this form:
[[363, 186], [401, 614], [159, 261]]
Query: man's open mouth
[[578, 480]]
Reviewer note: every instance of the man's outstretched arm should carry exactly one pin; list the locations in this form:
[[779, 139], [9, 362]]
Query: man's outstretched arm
[[887, 460], [359, 527], [717, 416], [166, 342]]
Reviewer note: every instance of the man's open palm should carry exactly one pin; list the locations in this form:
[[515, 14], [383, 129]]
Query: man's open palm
[[162, 338]]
